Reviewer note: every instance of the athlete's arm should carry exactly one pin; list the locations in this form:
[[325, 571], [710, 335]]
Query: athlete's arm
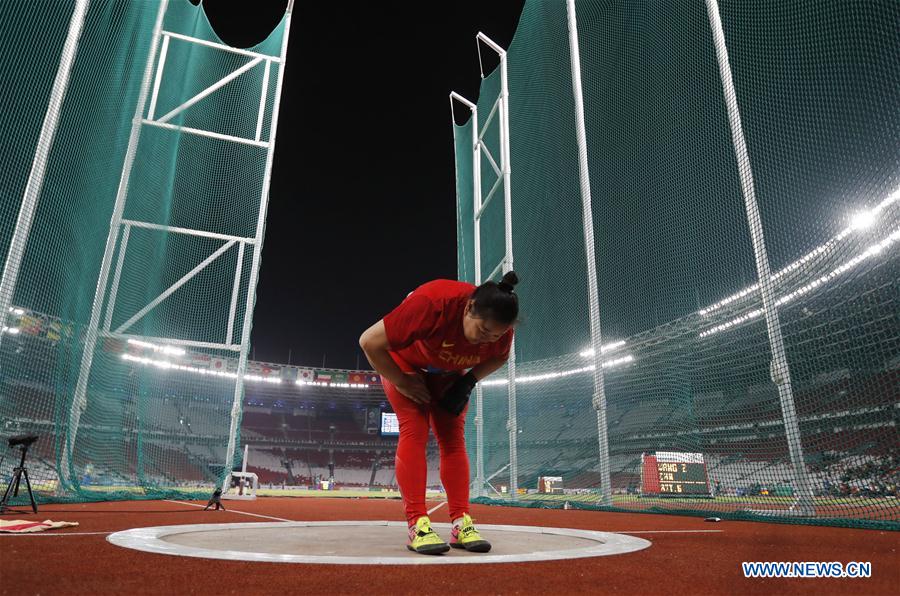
[[457, 395], [374, 344], [483, 369]]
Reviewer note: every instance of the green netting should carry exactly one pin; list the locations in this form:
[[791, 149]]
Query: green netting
[[154, 411], [464, 199], [688, 354]]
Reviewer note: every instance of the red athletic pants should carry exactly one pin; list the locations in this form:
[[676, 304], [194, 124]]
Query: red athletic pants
[[411, 465]]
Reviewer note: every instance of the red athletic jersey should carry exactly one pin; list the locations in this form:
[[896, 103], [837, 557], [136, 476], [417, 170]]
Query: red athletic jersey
[[426, 331]]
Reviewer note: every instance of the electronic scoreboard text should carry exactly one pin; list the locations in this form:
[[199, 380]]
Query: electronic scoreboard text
[[674, 474]]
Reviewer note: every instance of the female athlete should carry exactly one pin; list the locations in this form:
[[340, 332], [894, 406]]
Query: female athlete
[[431, 351]]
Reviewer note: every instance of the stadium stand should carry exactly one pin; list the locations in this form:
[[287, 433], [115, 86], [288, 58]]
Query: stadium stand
[[300, 434]]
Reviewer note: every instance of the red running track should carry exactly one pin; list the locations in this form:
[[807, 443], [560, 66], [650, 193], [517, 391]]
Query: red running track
[[69, 561]]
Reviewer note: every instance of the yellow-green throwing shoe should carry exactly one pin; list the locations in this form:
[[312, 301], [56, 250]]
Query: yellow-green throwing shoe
[[464, 535], [424, 540]]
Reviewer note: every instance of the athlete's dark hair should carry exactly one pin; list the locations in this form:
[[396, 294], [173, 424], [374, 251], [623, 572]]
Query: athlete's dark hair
[[497, 301]]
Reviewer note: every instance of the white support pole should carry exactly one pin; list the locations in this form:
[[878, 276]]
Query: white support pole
[[476, 207], [158, 79], [476, 188], [220, 46], [490, 195], [263, 96], [508, 266], [207, 133], [454, 95], [491, 44], [460, 262], [232, 309], [171, 289], [79, 400], [487, 481], [489, 119], [19, 240], [117, 277], [476, 223], [476, 241], [206, 345], [503, 102], [186, 231], [487, 153], [208, 91], [804, 505], [500, 268], [472, 107], [599, 397], [478, 420], [257, 249]]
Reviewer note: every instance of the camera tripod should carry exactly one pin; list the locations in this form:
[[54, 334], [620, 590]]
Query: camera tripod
[[23, 443]]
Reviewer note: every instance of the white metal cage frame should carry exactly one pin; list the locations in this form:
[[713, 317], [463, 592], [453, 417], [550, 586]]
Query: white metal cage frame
[[503, 171], [121, 229], [780, 372]]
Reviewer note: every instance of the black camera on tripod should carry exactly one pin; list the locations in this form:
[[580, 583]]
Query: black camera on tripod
[[23, 442]]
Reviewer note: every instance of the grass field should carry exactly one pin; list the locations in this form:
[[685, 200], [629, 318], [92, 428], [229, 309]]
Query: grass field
[[885, 508], [49, 489], [748, 500]]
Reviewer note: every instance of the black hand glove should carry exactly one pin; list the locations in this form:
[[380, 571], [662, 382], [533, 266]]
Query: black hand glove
[[457, 396]]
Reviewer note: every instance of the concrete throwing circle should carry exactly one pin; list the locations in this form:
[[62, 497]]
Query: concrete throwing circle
[[366, 543]]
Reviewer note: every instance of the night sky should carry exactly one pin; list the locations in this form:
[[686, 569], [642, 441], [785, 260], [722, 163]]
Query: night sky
[[362, 202]]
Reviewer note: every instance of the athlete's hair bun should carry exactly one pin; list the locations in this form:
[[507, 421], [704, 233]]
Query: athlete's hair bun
[[509, 281], [497, 301]]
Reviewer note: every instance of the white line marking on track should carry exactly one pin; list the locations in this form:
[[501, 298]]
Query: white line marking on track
[[436, 507], [665, 531], [2, 534], [232, 511]]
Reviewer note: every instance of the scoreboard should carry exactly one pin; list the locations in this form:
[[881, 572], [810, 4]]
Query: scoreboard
[[390, 425], [674, 474], [550, 484]]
